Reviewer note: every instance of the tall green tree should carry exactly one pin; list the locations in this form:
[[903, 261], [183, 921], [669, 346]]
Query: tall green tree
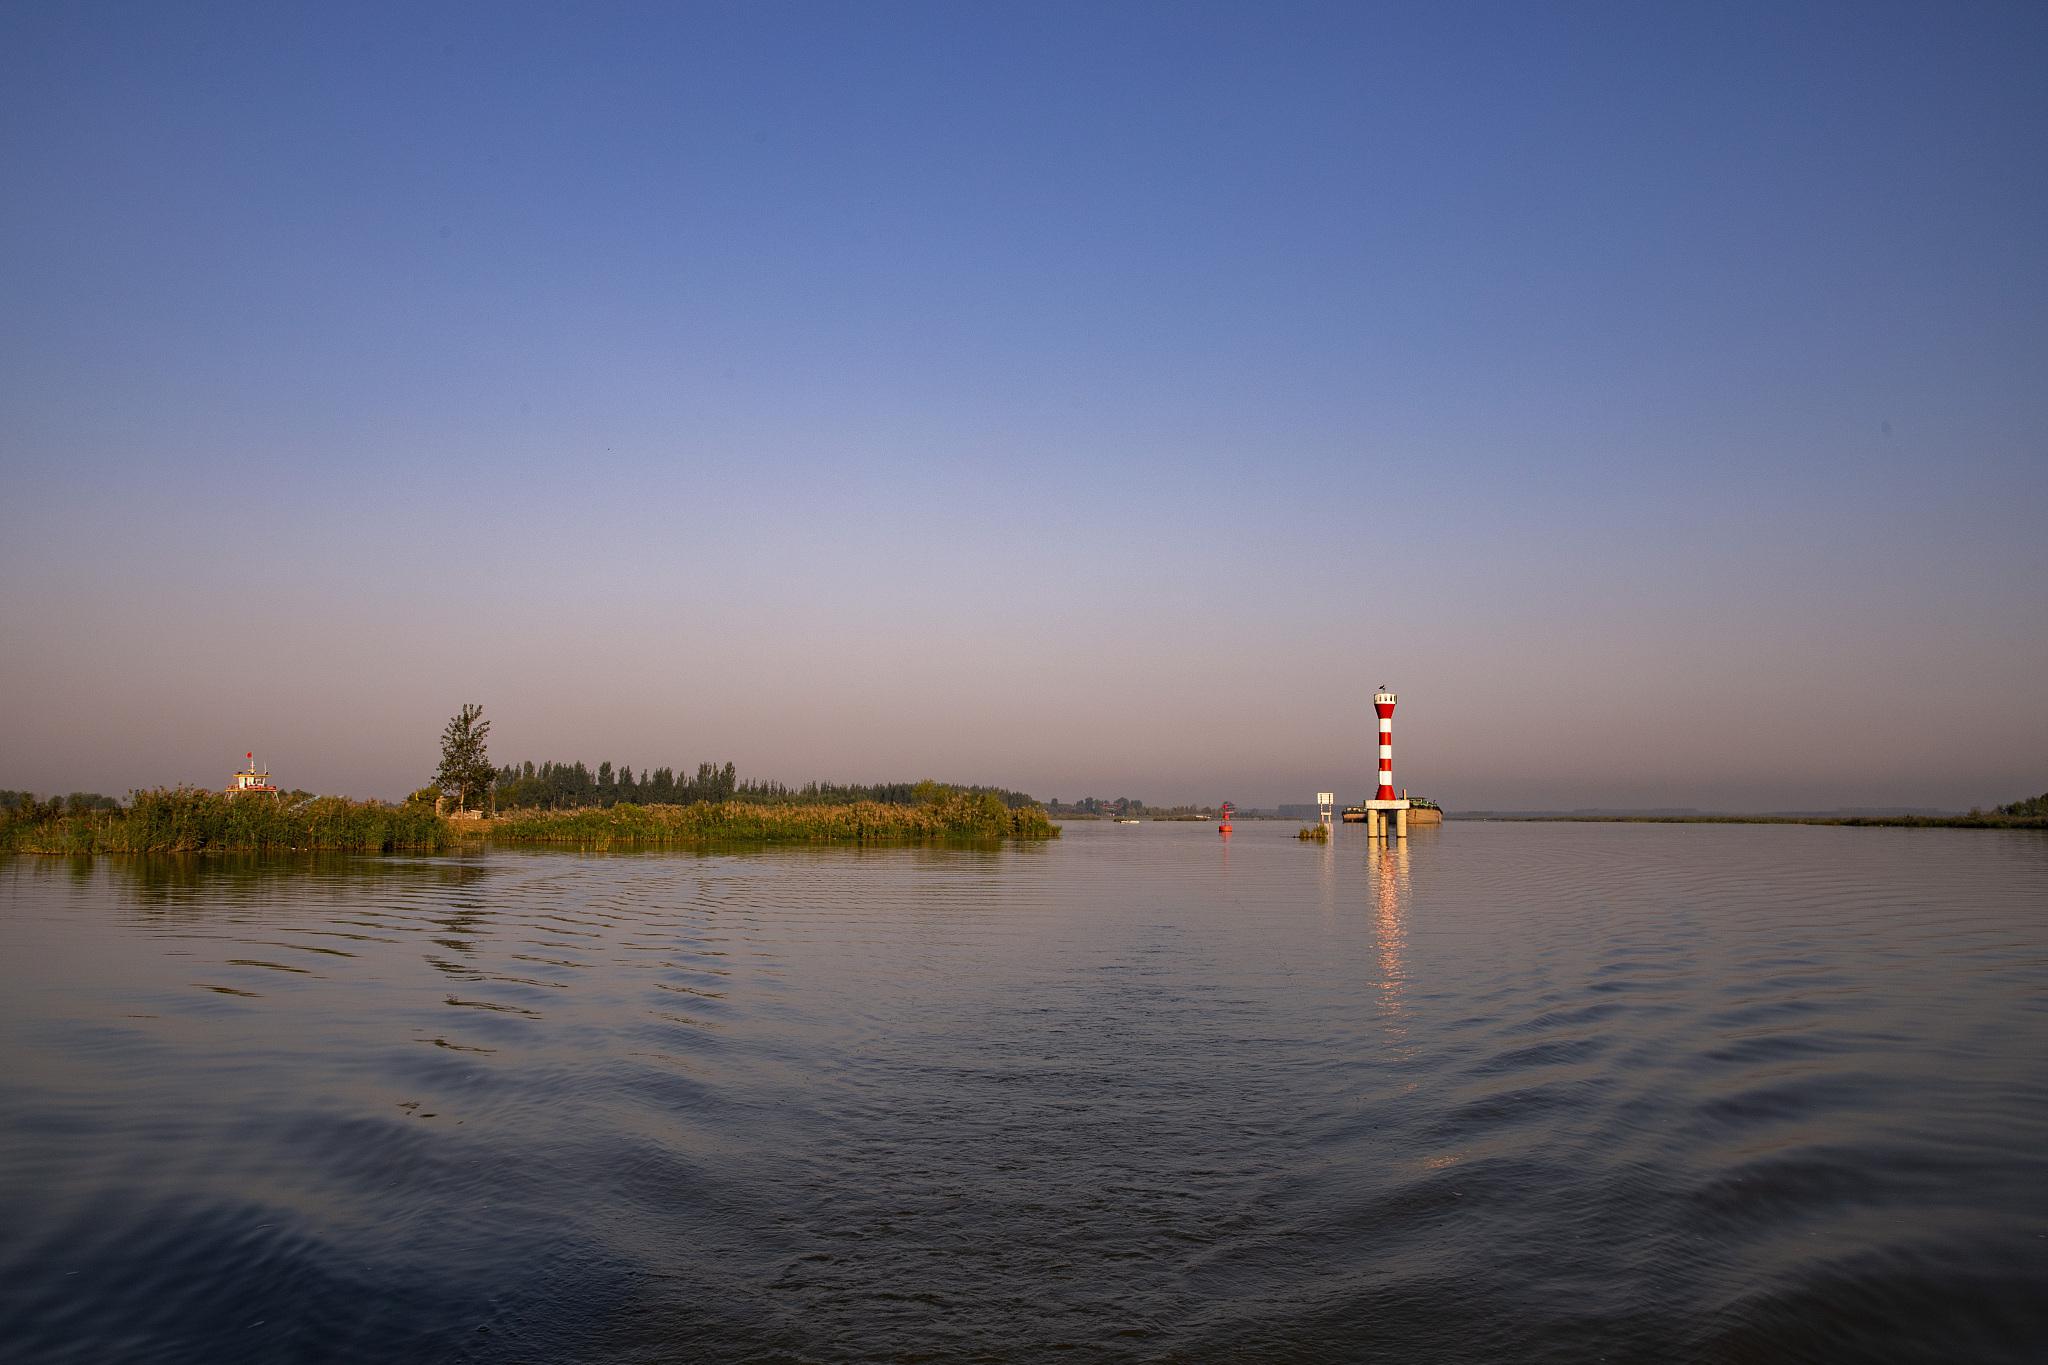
[[466, 770]]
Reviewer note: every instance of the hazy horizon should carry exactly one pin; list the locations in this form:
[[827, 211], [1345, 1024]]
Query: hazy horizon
[[1090, 400]]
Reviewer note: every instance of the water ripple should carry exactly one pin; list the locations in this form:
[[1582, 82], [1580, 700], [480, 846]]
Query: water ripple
[[1501, 1092]]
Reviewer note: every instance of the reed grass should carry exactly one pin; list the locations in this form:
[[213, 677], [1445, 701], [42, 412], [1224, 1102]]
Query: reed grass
[[190, 820], [960, 815], [1314, 833]]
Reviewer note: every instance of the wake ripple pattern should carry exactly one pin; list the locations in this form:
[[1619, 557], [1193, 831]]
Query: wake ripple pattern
[[1502, 1092]]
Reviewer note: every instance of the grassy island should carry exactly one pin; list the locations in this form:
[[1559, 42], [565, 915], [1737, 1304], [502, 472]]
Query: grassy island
[[957, 815], [188, 820]]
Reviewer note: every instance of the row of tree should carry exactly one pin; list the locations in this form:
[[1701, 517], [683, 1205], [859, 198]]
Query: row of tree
[[25, 806], [573, 786], [1125, 807], [467, 779], [1100, 805]]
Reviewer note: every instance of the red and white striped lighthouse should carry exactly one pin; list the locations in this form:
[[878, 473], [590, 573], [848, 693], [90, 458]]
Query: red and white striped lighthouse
[[1383, 702], [1386, 815]]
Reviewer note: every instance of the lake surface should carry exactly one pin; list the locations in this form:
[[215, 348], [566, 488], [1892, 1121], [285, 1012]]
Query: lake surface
[[1507, 1092]]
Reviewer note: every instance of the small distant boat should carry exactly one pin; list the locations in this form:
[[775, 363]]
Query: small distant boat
[[1128, 820], [251, 780]]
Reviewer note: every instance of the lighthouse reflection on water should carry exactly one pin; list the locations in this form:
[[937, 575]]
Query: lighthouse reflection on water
[[1387, 875]]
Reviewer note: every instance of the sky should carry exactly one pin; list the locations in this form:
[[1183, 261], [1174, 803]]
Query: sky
[[1092, 399]]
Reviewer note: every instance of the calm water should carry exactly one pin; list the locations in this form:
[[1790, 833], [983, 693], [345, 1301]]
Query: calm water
[[1509, 1093]]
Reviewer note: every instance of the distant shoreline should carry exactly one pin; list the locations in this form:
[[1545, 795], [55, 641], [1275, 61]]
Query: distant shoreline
[[1892, 821]]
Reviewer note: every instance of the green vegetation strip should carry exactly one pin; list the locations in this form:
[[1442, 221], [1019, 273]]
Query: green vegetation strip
[[187, 820], [959, 815]]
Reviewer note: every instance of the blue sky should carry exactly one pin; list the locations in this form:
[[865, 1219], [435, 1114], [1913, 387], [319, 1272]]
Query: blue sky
[[1086, 398]]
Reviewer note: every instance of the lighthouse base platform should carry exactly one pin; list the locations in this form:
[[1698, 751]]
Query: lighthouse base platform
[[1386, 819]]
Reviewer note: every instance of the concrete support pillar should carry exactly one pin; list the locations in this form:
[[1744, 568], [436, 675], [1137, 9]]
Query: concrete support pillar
[[1401, 823], [1372, 824]]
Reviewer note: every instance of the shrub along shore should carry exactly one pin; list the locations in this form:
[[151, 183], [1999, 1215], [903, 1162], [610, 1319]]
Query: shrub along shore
[[959, 815], [188, 820]]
